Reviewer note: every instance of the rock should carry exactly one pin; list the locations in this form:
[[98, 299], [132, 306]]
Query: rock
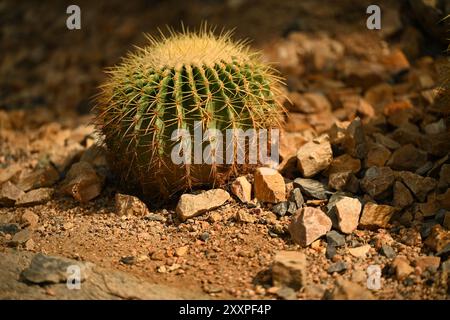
[[20, 238], [347, 211], [402, 195], [244, 216], [30, 219], [51, 269], [292, 208], [407, 157], [308, 225], [343, 163], [438, 238], [377, 180], [375, 216], [39, 178], [36, 196], [181, 251], [191, 205], [446, 222], [62, 158], [280, 208], [242, 189], [314, 156], [377, 156], [269, 185], [428, 263], [309, 102], [127, 205], [354, 142], [435, 127], [96, 156], [297, 197], [82, 182], [128, 260], [346, 290], [9, 228], [343, 181], [339, 267], [337, 132], [395, 61], [420, 186], [335, 239], [330, 252], [312, 188], [289, 269], [9, 194], [29, 245], [97, 283], [215, 217], [7, 173], [359, 252], [402, 267], [386, 141], [387, 251]]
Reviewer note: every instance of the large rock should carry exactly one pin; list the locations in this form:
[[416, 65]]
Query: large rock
[[376, 216], [377, 180], [289, 269], [269, 185], [308, 225], [192, 205], [314, 156]]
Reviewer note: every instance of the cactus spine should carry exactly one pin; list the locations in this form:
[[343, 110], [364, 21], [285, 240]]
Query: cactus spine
[[170, 84]]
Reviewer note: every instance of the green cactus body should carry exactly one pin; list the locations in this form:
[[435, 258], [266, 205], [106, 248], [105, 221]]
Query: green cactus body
[[173, 83]]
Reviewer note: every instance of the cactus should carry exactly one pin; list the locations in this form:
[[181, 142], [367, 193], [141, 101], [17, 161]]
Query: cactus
[[171, 83]]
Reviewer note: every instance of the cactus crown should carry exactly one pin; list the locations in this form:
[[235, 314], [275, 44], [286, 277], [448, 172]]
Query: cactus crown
[[172, 83]]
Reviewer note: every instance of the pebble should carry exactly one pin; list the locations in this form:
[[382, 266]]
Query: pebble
[[347, 290], [377, 156], [376, 216], [181, 251], [192, 205], [407, 157], [34, 197], [9, 193], [402, 267], [20, 237], [9, 228], [205, 236], [339, 267], [30, 219], [281, 208], [39, 178], [314, 156], [297, 197], [335, 239], [127, 205], [402, 195], [377, 180], [330, 251], [419, 185], [359, 252], [129, 260], [428, 263], [438, 239], [269, 185], [244, 216], [82, 182], [388, 251], [312, 188], [347, 211], [308, 225], [354, 142]]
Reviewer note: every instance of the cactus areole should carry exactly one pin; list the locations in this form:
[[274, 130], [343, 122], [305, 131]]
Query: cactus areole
[[174, 84]]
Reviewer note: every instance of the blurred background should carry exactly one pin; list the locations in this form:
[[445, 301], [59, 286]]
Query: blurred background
[[43, 64]]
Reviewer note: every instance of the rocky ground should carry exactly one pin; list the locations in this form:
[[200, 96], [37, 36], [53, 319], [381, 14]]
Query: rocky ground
[[364, 178]]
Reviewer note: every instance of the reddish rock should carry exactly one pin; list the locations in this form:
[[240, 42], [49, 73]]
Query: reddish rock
[[343, 163], [402, 195], [127, 205], [347, 212], [192, 205], [377, 180], [314, 156], [375, 216], [347, 290], [269, 185], [29, 219], [438, 239], [402, 267], [407, 157], [289, 269], [82, 182], [9, 194], [308, 225], [427, 262], [38, 178], [355, 142], [377, 156], [34, 197], [242, 189], [420, 186]]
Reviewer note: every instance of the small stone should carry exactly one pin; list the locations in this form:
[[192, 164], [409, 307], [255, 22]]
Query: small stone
[[402, 267], [191, 205], [444, 176], [30, 219], [289, 269], [359, 276], [377, 156], [297, 197], [339, 267], [242, 189], [343, 181], [127, 205], [438, 238], [435, 127], [205, 236], [337, 132], [428, 263], [355, 142], [419, 185], [181, 251], [158, 255], [9, 194], [39, 178], [346, 290], [9, 172], [82, 182], [376, 216], [149, 216], [67, 226], [29, 245], [344, 163], [287, 293], [269, 185], [280, 208], [9, 228], [330, 251], [244, 216], [312, 188], [386, 141], [387, 251], [407, 157], [359, 252], [446, 222], [347, 211], [292, 208], [335, 239], [314, 156], [377, 180], [36, 196], [129, 260], [402, 195], [308, 225], [215, 217], [20, 238]]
